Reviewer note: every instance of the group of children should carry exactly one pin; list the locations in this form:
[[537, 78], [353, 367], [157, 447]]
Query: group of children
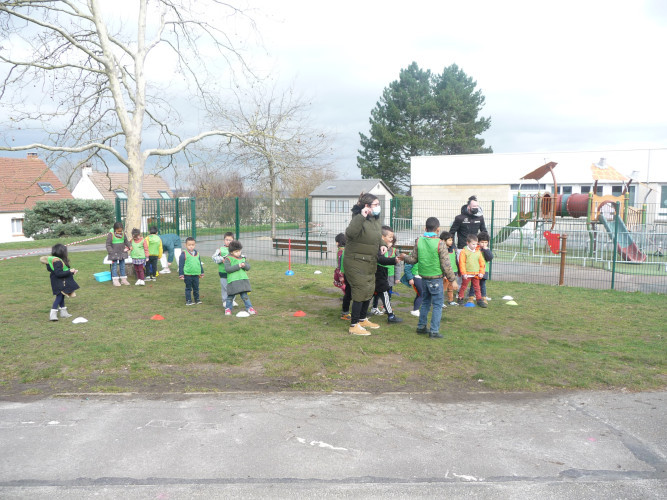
[[434, 267], [145, 253]]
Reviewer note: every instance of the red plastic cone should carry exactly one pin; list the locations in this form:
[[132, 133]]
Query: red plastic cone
[[299, 314], [157, 317]]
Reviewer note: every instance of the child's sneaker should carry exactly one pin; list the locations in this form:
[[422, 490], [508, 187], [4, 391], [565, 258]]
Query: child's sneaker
[[199, 301], [345, 316], [228, 312], [358, 330], [487, 298], [251, 310], [453, 303], [375, 311], [462, 301], [444, 305], [415, 313], [368, 324], [481, 303], [189, 303]]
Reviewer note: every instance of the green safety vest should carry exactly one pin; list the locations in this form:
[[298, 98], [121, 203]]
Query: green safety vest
[[452, 260], [429, 258], [224, 252], [153, 244], [391, 268], [115, 239], [51, 257], [472, 264], [137, 251], [342, 257], [192, 264], [236, 275]]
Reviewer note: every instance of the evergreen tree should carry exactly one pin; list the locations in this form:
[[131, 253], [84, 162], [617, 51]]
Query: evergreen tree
[[421, 114]]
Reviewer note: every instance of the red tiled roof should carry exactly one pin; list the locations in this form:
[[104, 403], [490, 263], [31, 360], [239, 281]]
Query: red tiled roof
[[19, 188], [106, 184]]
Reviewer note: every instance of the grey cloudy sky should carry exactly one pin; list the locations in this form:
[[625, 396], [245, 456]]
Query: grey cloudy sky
[[557, 76]]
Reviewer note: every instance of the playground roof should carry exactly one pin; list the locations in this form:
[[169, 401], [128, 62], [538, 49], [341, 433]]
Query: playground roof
[[508, 168]]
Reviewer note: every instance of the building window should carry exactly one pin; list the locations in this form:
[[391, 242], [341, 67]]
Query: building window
[[47, 187], [585, 189], [343, 206], [330, 206], [164, 195], [146, 196], [600, 190], [527, 187], [17, 226], [663, 200], [632, 192], [567, 189], [120, 194], [617, 190]]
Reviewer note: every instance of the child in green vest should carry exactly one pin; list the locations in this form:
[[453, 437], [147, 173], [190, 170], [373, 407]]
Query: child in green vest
[[431, 253], [448, 238], [139, 254], [219, 258], [62, 280], [237, 277], [339, 277], [154, 253], [190, 269], [117, 248], [472, 266], [386, 262]]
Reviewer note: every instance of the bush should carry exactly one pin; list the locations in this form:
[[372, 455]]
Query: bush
[[55, 219]]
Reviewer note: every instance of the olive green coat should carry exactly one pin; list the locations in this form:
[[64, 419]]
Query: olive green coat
[[364, 237]]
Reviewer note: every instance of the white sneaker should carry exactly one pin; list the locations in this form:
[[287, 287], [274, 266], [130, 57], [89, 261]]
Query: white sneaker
[[376, 311], [165, 271], [415, 313], [453, 303], [444, 305], [140, 283]]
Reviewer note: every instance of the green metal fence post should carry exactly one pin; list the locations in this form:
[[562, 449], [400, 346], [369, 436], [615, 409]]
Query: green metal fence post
[[193, 217], [493, 206], [178, 217], [118, 217], [392, 210], [159, 218], [306, 212], [237, 219], [613, 264]]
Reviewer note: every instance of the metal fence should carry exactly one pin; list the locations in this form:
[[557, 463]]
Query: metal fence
[[173, 215], [609, 252]]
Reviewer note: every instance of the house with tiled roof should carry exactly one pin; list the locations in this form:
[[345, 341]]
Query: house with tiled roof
[[24, 182], [95, 185]]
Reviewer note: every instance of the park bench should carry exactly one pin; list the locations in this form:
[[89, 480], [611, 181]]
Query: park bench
[[283, 244]]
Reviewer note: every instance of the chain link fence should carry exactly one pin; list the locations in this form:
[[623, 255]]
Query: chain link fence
[[626, 252]]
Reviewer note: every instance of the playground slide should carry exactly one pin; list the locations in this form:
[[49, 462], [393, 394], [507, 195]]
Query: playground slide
[[626, 246], [505, 232]]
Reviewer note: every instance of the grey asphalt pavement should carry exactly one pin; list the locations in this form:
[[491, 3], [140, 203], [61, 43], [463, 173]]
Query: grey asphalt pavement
[[295, 445]]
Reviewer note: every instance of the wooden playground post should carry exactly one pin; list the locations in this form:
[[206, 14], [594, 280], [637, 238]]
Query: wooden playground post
[[563, 251]]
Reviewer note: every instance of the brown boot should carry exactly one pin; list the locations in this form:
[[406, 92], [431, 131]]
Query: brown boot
[[358, 330], [368, 324]]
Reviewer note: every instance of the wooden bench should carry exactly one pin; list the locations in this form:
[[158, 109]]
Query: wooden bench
[[283, 244]]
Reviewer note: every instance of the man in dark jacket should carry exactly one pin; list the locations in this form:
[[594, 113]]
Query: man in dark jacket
[[470, 221]]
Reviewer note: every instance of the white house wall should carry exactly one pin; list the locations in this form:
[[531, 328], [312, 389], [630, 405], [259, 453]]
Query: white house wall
[[6, 234], [86, 190]]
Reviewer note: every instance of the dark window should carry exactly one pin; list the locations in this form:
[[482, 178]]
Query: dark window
[[585, 189], [567, 189], [617, 190]]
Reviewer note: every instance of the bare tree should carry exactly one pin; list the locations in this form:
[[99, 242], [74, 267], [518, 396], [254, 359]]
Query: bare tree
[[91, 78], [280, 146], [215, 195]]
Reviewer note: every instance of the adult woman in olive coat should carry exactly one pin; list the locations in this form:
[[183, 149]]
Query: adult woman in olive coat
[[364, 237]]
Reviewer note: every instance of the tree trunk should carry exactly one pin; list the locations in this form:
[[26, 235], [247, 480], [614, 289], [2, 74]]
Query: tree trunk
[[135, 178], [272, 184]]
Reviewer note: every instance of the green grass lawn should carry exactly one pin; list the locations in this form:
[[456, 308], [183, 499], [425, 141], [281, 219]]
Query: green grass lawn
[[556, 338]]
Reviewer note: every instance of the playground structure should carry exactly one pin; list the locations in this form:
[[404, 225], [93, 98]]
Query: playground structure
[[613, 213]]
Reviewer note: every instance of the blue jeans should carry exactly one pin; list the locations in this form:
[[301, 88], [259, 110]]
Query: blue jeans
[[244, 298], [191, 287], [433, 294], [115, 265]]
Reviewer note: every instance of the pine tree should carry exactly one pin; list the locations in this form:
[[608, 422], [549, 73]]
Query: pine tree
[[421, 114]]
